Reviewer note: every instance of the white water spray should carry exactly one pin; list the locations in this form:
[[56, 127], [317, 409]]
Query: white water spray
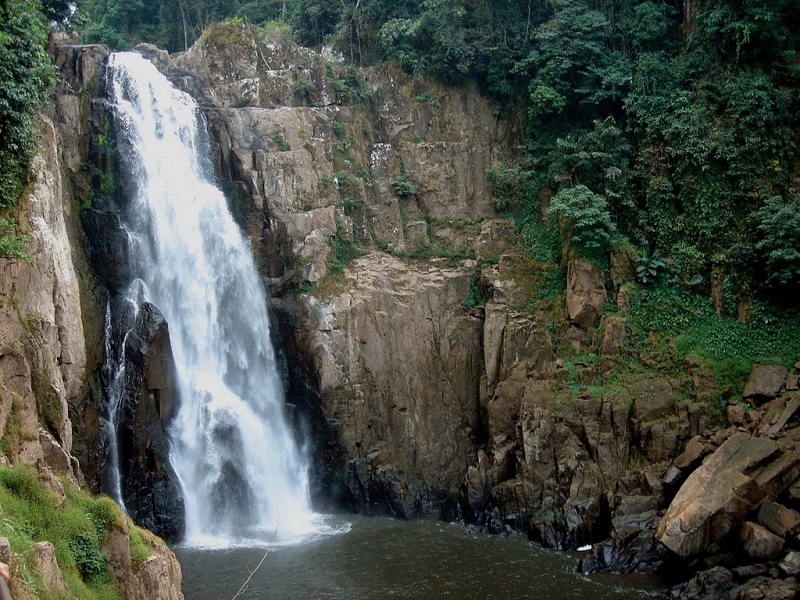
[[242, 475]]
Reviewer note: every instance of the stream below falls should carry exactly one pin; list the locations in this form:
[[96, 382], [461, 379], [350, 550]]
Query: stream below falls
[[381, 558]]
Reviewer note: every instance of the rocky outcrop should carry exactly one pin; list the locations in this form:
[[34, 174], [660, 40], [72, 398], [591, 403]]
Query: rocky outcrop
[[315, 149], [737, 511], [80, 70], [150, 487], [717, 496], [398, 361], [157, 575], [43, 357], [586, 293], [323, 162]]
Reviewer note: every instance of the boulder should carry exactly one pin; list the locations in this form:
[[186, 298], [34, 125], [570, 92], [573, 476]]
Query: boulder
[[790, 564], [777, 518], [692, 454], [44, 561], [765, 382], [759, 542], [773, 422], [717, 496], [586, 292], [615, 334]]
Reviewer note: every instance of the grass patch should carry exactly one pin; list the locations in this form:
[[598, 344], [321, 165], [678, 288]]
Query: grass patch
[[686, 325], [345, 250], [665, 314], [29, 513]]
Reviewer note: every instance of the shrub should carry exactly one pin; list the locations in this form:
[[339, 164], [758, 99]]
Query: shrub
[[779, 227], [13, 242], [475, 295], [280, 141], [403, 187], [588, 223]]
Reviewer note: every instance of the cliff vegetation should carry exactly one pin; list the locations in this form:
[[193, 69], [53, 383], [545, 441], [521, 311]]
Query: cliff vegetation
[[563, 369], [668, 128]]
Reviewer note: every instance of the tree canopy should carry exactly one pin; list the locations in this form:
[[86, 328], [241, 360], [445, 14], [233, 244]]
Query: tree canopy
[[26, 73], [681, 127]]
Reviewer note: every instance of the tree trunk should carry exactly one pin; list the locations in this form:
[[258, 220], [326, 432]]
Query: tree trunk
[[689, 14]]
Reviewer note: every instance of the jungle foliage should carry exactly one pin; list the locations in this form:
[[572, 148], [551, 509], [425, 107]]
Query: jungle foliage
[[665, 125], [26, 73], [674, 131]]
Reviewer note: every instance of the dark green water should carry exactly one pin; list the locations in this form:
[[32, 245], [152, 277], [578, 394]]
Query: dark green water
[[383, 559]]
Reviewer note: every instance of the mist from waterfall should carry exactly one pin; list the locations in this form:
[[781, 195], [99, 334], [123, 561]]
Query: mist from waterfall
[[242, 474]]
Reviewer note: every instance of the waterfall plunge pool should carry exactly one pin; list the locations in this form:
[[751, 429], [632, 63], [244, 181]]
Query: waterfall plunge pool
[[381, 558]]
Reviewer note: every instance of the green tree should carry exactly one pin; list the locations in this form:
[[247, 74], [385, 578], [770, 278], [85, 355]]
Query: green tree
[[26, 73], [588, 228], [779, 227]]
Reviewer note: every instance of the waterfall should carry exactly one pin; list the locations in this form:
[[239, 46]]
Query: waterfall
[[242, 474]]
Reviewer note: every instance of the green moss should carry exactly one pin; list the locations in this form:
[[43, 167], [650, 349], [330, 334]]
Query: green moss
[[231, 33], [475, 296]]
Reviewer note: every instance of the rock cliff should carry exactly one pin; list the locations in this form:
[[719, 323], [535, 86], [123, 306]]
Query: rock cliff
[[325, 163], [432, 379], [51, 325], [428, 374]]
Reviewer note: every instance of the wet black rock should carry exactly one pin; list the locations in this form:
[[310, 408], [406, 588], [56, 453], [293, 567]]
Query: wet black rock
[[149, 485]]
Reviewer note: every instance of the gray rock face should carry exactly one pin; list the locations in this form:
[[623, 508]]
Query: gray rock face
[[586, 293]]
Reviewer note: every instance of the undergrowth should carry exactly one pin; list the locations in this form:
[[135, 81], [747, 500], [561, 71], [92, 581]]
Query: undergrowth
[[665, 314]]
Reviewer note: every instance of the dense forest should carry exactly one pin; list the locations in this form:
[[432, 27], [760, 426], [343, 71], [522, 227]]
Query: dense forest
[[668, 127]]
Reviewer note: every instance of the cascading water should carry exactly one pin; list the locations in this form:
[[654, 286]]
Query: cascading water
[[242, 474]]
